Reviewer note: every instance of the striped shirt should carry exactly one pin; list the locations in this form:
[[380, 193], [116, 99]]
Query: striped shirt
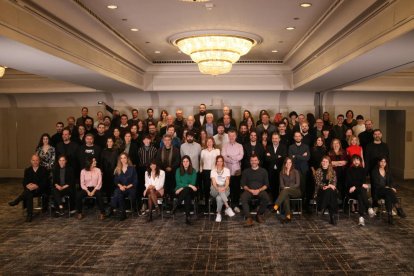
[[146, 155]]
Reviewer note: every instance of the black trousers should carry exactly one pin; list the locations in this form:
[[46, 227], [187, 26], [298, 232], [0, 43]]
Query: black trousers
[[58, 195], [82, 194], [169, 184], [187, 194], [235, 190], [27, 198], [274, 180], [388, 195], [263, 197], [361, 195], [205, 185], [118, 200]]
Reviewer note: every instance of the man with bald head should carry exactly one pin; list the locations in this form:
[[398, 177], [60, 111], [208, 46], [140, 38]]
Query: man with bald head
[[190, 126], [35, 184], [231, 123], [170, 122]]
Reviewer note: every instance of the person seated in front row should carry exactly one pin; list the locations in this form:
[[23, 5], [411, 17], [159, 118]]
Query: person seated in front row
[[186, 186], [126, 181], [154, 187], [35, 184], [220, 190], [326, 192], [357, 189], [63, 183], [384, 189], [91, 184], [255, 182], [289, 182]]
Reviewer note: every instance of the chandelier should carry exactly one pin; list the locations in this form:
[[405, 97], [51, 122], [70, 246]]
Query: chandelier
[[215, 52], [2, 71]]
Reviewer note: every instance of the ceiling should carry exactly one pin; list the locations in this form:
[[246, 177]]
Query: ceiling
[[335, 44], [159, 19]]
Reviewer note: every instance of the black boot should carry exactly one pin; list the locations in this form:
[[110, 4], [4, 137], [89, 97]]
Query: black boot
[[332, 218], [149, 218], [16, 201], [174, 209], [108, 212], [390, 218], [401, 213], [29, 218], [123, 216]]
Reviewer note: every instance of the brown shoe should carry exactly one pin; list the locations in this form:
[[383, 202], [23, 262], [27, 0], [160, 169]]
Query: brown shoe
[[79, 216], [249, 221], [260, 219], [101, 216]]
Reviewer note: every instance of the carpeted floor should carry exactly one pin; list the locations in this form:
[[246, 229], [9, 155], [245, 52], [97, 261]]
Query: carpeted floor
[[308, 245]]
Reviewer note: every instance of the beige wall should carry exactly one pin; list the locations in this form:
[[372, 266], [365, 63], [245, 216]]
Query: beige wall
[[24, 117]]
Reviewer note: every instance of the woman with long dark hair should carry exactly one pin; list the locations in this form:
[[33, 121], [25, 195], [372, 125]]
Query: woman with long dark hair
[[186, 185], [289, 185], [46, 152], [384, 189], [109, 159], [154, 187], [326, 192]]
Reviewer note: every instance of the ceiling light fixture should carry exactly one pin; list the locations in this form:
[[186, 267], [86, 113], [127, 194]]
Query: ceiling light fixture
[[157, 52], [215, 51], [2, 71], [290, 28], [112, 7], [134, 29], [275, 51], [305, 5]]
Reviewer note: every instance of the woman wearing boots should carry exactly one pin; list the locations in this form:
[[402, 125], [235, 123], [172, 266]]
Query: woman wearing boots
[[186, 179], [381, 179], [327, 194], [154, 187], [357, 189]]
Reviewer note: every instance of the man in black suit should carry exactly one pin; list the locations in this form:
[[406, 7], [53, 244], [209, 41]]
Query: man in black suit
[[201, 116], [275, 155], [253, 147], [35, 184]]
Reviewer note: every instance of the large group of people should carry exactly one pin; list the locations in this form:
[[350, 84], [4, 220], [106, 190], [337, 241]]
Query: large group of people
[[199, 159]]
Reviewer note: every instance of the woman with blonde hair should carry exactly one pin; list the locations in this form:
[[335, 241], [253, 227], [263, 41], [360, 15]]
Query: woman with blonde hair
[[126, 181], [325, 190], [354, 148]]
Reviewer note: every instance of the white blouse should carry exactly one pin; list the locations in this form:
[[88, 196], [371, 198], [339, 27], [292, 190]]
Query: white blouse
[[208, 159], [157, 182]]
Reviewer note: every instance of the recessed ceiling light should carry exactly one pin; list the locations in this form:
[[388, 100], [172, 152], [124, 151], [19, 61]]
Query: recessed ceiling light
[[275, 51], [305, 5], [124, 19], [296, 18], [134, 29], [157, 52], [112, 7], [290, 28]]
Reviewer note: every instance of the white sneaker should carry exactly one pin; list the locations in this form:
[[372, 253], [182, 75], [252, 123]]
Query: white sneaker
[[394, 213], [236, 210], [229, 212], [371, 212], [218, 218], [361, 221]]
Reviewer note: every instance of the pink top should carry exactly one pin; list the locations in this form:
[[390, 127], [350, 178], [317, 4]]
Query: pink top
[[92, 178], [233, 154]]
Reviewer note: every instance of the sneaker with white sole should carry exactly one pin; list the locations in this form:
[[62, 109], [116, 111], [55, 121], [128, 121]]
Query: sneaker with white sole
[[229, 212], [361, 221], [236, 210], [371, 212], [218, 218]]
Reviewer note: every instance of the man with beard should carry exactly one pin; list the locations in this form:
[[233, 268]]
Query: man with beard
[[201, 116], [89, 150], [285, 137], [89, 126], [243, 135], [221, 138], [307, 137], [170, 122], [192, 149], [57, 137], [150, 118], [176, 142], [155, 138], [168, 158], [70, 150], [81, 120], [100, 137], [134, 120], [250, 148], [366, 137]]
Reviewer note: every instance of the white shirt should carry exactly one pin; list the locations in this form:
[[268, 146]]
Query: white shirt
[[220, 140], [157, 182], [208, 159], [220, 177]]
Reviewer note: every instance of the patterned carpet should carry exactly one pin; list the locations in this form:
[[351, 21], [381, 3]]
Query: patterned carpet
[[308, 245]]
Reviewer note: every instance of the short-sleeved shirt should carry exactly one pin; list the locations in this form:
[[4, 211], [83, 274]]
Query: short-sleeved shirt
[[220, 177]]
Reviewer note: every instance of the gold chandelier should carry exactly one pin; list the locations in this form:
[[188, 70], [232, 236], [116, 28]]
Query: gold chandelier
[[2, 71], [215, 52]]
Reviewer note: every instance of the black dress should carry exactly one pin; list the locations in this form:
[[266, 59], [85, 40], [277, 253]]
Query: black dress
[[109, 159]]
